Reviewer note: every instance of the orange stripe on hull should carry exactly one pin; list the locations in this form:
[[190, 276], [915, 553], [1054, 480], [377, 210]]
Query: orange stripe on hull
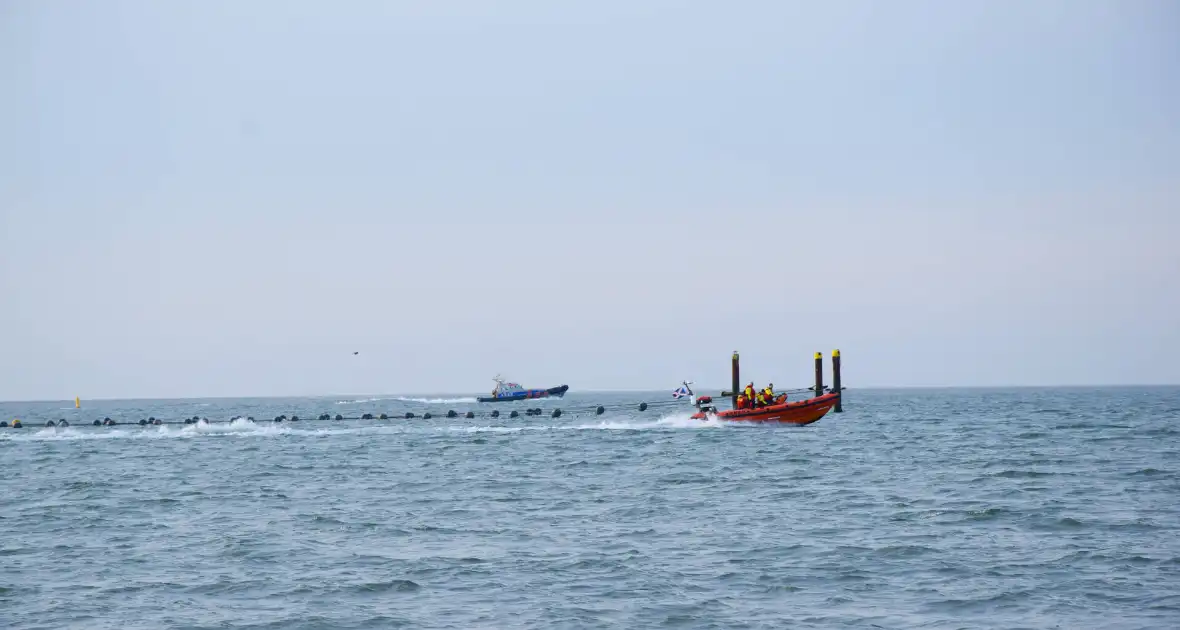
[[800, 412]]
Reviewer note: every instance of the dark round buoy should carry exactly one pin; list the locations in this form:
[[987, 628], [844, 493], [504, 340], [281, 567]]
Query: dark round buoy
[[469, 414], [4, 424], [17, 425], [249, 418], [294, 418], [556, 413], [51, 423], [63, 423], [339, 417], [426, 416], [367, 416], [151, 419], [97, 422], [278, 418], [384, 417], [451, 413], [142, 422], [409, 414], [601, 410], [195, 418], [643, 406], [514, 414], [158, 421], [495, 413], [188, 420], [202, 421], [107, 420], [324, 416]]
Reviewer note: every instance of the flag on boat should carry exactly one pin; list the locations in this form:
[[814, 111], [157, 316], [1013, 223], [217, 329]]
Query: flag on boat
[[680, 392]]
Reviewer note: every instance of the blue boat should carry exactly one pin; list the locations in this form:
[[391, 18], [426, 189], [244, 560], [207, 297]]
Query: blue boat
[[511, 391]]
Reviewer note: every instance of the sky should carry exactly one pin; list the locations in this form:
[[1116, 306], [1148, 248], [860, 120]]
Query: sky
[[230, 199]]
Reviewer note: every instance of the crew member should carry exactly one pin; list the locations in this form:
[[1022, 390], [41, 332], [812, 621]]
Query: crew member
[[741, 401], [769, 393], [750, 393]]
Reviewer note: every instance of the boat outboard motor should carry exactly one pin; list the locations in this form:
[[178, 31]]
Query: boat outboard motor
[[704, 404]]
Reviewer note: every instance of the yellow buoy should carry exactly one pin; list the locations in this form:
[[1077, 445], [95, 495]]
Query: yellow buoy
[[77, 403]]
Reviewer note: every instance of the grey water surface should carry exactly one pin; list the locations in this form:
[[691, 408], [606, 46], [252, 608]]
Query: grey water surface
[[913, 509]]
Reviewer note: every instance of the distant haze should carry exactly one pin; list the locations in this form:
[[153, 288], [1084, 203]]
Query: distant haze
[[230, 198]]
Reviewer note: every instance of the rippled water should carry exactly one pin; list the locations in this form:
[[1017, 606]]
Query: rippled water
[[931, 509]]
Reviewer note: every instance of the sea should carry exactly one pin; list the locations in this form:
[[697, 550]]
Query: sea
[[935, 508]]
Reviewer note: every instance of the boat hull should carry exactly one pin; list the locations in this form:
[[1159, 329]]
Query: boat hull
[[528, 394], [799, 412]]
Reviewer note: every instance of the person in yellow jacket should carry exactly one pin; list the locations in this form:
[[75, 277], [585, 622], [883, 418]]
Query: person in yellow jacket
[[741, 401], [749, 392], [768, 393]]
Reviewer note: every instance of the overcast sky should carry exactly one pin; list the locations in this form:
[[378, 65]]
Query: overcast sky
[[230, 198]]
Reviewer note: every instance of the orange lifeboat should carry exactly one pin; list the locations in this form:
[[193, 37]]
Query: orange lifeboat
[[799, 412]]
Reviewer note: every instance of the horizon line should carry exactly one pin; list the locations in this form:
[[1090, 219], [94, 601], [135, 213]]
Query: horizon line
[[591, 391]]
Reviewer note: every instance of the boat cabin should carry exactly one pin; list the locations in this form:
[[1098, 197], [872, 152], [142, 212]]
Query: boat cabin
[[505, 389]]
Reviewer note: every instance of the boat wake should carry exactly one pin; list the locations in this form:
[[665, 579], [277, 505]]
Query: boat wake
[[237, 427], [430, 401], [674, 421], [438, 401], [245, 428]]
